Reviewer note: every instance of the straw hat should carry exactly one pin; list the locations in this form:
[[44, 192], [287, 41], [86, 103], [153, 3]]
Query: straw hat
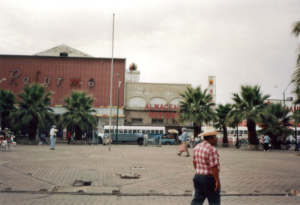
[[208, 131], [140, 131]]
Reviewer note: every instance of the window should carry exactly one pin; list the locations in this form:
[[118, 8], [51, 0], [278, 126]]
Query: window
[[152, 131], [111, 131], [121, 131], [157, 121], [125, 131], [129, 131], [240, 132], [161, 132], [245, 132], [137, 120], [143, 131], [63, 54], [134, 131], [156, 131]]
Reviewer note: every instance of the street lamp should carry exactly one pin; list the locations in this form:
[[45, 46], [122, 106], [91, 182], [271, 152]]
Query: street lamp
[[284, 94], [118, 74]]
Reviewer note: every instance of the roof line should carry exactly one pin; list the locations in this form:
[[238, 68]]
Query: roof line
[[34, 56]]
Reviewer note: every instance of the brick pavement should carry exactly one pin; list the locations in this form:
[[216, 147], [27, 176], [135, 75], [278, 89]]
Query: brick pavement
[[31, 168]]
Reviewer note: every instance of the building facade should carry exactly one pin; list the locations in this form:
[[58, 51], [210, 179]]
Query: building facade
[[63, 69], [153, 104]]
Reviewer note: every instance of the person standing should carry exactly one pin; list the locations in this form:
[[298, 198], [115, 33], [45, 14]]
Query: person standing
[[53, 132], [140, 138], [145, 139], [69, 137], [266, 143], [206, 163], [184, 140], [156, 140]]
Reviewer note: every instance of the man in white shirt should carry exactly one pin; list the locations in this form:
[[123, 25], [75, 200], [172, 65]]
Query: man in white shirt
[[53, 132], [145, 139]]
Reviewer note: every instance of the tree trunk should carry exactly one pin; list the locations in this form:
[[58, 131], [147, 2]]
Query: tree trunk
[[252, 135], [197, 130], [32, 130], [225, 137], [78, 133]]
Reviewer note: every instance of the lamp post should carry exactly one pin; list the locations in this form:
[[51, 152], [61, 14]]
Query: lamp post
[[284, 94], [118, 74]]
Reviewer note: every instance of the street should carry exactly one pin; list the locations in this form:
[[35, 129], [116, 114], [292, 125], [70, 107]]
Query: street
[[38, 175]]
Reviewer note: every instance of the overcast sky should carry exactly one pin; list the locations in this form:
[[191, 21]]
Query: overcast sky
[[238, 41]]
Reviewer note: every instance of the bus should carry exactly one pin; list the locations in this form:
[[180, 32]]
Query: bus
[[129, 133]]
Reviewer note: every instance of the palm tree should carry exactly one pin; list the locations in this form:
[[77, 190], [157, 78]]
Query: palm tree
[[7, 101], [79, 112], [32, 109], [276, 124], [250, 106], [222, 112], [196, 106], [296, 74]]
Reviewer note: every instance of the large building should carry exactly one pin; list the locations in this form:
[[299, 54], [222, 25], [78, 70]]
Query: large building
[[63, 69], [153, 104]]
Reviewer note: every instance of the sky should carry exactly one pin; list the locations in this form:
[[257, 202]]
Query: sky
[[241, 42]]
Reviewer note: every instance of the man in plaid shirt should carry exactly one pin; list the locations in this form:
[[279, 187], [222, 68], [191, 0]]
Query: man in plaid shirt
[[206, 162]]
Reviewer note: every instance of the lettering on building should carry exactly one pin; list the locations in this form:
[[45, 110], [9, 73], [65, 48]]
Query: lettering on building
[[58, 80], [91, 83], [75, 82], [14, 74], [47, 81], [26, 80], [37, 76]]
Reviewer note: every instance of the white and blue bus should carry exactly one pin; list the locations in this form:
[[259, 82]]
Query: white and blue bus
[[129, 133]]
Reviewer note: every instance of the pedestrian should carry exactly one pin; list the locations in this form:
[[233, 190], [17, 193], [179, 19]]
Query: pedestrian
[[206, 163], [69, 137], [266, 143], [156, 140], [61, 135], [43, 138], [145, 139], [53, 132], [184, 140], [105, 142], [140, 138]]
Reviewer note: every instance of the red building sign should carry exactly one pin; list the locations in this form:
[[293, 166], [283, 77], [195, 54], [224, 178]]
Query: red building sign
[[166, 107], [61, 75]]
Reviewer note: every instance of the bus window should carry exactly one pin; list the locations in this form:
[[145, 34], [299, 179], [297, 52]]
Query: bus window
[[246, 132], [111, 131], [143, 131], [121, 131], [240, 132], [134, 131], [232, 132], [156, 131], [152, 131], [125, 131], [106, 131], [161, 132], [130, 131]]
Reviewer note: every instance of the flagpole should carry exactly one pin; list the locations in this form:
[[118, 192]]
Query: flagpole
[[111, 80]]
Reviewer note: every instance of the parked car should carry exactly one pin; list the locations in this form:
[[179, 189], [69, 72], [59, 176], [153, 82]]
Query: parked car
[[164, 140]]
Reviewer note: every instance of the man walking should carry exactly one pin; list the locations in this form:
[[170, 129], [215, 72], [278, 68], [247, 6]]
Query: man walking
[[184, 140], [140, 138], [69, 137], [53, 137], [145, 139], [206, 163], [266, 143]]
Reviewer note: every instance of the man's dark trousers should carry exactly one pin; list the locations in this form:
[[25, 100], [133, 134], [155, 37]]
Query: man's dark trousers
[[205, 188]]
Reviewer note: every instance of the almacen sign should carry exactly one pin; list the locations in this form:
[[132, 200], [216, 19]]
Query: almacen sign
[[165, 107]]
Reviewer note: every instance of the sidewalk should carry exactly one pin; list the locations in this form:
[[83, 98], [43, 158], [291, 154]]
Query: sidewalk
[[37, 175]]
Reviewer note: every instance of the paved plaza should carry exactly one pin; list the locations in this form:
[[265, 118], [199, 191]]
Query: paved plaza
[[38, 175]]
